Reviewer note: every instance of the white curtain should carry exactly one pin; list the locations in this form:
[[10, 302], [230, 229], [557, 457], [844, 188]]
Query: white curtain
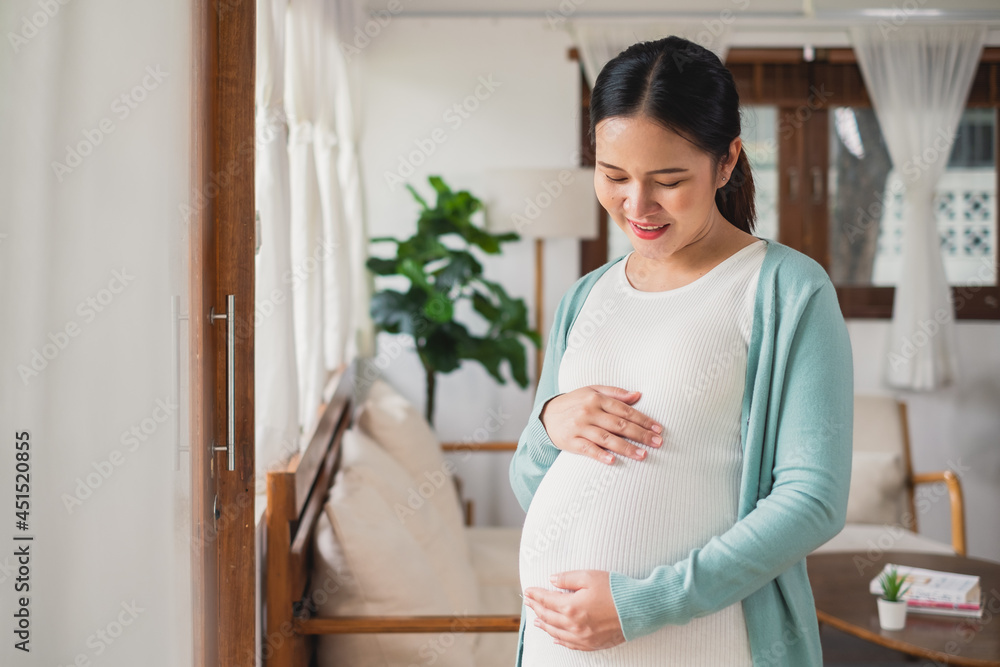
[[275, 371], [328, 237], [918, 78], [599, 42]]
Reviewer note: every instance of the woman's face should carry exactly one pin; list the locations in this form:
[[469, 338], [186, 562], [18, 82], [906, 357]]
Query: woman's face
[[658, 187]]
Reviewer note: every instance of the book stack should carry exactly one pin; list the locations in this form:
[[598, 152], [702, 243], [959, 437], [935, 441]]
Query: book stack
[[934, 592]]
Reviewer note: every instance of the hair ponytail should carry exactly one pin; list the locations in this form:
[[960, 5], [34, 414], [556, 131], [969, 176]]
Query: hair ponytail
[[684, 87], [735, 198]]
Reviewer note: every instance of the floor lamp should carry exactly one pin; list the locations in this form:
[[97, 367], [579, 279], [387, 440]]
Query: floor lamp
[[541, 204]]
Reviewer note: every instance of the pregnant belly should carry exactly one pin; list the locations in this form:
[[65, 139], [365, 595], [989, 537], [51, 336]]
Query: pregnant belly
[[629, 516]]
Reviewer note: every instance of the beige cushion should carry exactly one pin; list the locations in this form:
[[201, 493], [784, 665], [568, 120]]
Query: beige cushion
[[367, 563], [877, 424], [494, 551], [495, 557], [877, 487], [395, 424], [386, 476]]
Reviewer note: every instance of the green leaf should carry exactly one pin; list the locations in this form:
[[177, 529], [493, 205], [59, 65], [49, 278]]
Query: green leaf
[[457, 272], [416, 195], [516, 358], [439, 186], [381, 267], [396, 312], [439, 309], [440, 349], [484, 306], [413, 270]]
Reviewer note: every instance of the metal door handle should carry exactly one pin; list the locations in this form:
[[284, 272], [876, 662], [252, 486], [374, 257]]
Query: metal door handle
[[817, 185], [793, 184], [230, 319]]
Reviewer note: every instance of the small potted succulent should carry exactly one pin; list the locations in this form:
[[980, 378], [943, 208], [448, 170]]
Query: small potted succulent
[[891, 605]]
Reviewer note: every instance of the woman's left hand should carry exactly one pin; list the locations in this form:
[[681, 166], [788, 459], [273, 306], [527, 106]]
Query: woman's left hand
[[585, 618]]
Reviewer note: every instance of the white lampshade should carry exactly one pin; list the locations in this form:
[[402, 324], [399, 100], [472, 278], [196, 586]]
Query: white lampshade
[[540, 203]]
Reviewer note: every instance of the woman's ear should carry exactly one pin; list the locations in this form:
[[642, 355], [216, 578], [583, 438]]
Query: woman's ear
[[727, 166]]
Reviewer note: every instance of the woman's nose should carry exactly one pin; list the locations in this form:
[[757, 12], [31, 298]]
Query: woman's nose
[[639, 203]]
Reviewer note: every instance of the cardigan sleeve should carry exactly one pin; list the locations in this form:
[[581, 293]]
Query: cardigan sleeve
[[813, 396], [535, 452]]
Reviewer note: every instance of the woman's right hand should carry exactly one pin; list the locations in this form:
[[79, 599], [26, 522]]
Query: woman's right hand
[[595, 420]]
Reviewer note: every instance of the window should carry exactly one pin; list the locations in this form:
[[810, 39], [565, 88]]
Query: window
[[866, 204]]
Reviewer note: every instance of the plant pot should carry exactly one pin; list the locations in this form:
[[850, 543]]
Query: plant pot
[[892, 615]]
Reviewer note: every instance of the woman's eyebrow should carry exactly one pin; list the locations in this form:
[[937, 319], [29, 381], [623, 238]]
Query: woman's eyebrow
[[668, 170]]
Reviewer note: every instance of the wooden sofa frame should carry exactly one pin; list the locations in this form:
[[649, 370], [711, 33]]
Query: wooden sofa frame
[[295, 499], [947, 477]]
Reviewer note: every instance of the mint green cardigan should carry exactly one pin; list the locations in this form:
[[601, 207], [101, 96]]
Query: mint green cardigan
[[798, 411]]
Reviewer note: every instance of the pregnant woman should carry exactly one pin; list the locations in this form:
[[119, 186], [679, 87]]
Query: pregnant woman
[[690, 441]]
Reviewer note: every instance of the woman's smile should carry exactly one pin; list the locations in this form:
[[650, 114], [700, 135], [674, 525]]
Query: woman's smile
[[648, 231]]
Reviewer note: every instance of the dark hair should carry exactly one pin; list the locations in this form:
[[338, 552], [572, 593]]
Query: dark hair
[[686, 88]]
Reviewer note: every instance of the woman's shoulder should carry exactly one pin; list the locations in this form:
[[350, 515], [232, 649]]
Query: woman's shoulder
[[790, 267], [574, 297]]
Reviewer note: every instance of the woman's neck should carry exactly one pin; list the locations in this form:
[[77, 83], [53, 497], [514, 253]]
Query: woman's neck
[[687, 264]]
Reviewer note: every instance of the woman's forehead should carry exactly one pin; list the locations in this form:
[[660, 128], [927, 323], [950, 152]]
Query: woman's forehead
[[639, 139]]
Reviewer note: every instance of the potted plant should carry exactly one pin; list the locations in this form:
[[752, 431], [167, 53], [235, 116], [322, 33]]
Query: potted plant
[[442, 272], [891, 605]]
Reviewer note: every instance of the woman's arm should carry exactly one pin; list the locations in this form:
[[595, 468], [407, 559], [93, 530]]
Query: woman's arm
[[535, 452], [813, 397]]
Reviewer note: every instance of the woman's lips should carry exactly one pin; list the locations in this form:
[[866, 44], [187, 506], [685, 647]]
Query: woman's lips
[[647, 234]]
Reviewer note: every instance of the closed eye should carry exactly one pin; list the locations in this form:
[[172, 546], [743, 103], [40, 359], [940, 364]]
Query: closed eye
[[622, 180]]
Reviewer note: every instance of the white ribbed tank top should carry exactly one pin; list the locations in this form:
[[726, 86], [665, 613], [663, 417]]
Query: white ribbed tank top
[[685, 349]]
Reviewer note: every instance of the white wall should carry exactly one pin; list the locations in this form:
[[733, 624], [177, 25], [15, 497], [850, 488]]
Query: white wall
[[413, 74], [415, 69]]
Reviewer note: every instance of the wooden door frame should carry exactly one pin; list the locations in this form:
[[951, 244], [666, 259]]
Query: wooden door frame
[[222, 237]]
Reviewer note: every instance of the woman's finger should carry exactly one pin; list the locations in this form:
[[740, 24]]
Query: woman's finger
[[621, 426], [619, 409], [618, 393], [581, 445], [610, 442]]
